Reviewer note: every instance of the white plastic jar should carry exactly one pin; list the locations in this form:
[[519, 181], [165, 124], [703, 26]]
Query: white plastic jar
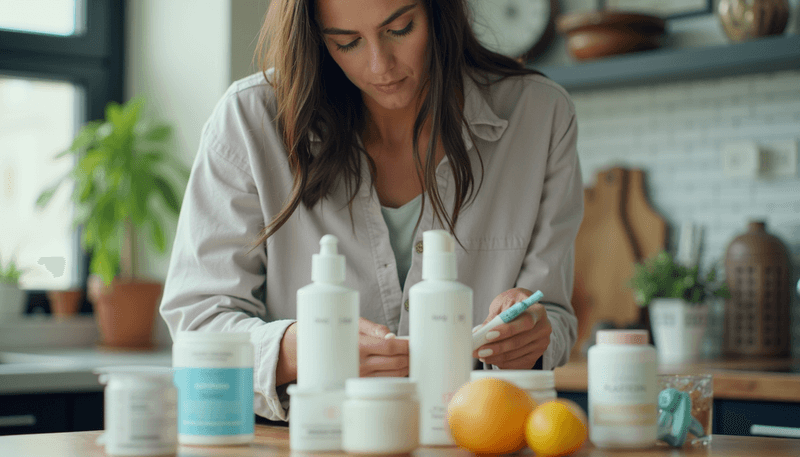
[[140, 411], [380, 416], [539, 384], [622, 390], [214, 376]]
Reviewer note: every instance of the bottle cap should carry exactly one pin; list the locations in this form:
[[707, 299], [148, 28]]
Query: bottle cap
[[438, 257], [328, 266], [622, 337]]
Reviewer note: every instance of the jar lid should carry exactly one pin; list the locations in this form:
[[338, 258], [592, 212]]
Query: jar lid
[[383, 387], [622, 337], [200, 336], [157, 373], [524, 379]]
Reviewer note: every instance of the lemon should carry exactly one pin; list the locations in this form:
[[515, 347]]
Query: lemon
[[556, 428]]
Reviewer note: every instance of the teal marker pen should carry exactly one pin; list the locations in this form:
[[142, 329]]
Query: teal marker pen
[[479, 337]]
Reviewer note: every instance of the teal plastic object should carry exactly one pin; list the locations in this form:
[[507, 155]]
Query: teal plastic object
[[675, 419]]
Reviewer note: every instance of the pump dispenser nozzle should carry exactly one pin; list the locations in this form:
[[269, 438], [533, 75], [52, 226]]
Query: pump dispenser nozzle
[[438, 256], [328, 266]]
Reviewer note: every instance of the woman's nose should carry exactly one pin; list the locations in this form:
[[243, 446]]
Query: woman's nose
[[381, 59]]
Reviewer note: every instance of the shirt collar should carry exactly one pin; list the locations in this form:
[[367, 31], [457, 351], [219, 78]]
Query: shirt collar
[[479, 116]]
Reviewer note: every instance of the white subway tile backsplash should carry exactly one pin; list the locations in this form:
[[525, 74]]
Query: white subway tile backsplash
[[675, 131]]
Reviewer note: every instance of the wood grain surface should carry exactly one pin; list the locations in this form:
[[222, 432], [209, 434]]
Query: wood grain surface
[[274, 441]]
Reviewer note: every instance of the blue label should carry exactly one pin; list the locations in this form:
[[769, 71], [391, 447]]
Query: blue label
[[215, 401]]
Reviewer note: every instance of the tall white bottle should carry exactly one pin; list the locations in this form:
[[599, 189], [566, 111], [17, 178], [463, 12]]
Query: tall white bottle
[[440, 331], [327, 323]]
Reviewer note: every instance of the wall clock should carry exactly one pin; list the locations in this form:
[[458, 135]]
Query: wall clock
[[520, 29]]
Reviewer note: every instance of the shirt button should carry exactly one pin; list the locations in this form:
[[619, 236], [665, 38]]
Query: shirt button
[[406, 305], [418, 247]]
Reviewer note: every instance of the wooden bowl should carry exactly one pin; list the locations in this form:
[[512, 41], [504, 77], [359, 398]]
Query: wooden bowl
[[602, 33]]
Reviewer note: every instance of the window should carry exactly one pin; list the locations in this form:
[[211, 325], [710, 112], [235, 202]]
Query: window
[[60, 64]]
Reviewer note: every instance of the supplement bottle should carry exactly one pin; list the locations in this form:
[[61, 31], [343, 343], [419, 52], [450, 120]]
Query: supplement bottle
[[622, 390], [140, 411], [440, 336], [214, 376]]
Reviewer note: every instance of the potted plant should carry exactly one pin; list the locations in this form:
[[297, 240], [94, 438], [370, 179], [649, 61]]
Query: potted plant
[[677, 298], [12, 297], [124, 181]]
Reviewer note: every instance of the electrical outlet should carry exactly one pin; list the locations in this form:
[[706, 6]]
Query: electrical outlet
[[741, 159], [779, 159]]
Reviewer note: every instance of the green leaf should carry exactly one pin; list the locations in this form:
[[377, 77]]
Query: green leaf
[[47, 195], [157, 236], [167, 194], [157, 133]]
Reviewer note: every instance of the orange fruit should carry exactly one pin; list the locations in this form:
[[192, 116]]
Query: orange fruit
[[555, 428], [487, 416]]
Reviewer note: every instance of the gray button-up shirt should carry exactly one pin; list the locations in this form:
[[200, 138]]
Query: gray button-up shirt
[[518, 232]]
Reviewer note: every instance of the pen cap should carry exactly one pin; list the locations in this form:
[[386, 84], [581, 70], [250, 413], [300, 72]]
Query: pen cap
[[328, 266], [438, 256]]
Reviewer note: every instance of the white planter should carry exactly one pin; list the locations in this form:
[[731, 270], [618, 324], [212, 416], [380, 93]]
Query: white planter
[[12, 300], [678, 329]]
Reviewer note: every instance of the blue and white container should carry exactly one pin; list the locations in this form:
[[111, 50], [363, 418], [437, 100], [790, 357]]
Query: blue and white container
[[214, 377]]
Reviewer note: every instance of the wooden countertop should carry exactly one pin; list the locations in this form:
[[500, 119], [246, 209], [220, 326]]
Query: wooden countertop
[[274, 441], [739, 379]]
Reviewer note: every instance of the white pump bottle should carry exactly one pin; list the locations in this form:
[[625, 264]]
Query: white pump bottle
[[440, 331], [327, 323]]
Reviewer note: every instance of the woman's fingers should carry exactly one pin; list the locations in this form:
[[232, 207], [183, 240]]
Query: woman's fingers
[[367, 327]]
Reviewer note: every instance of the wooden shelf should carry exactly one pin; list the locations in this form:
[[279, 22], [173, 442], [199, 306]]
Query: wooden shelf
[[666, 65]]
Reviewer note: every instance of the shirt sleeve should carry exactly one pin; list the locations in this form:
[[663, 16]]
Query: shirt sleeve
[[215, 282], [549, 262]]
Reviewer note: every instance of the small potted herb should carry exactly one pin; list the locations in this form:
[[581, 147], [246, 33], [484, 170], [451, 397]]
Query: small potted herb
[[12, 297], [677, 298]]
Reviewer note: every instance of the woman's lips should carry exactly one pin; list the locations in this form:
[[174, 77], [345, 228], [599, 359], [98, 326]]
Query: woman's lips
[[389, 88]]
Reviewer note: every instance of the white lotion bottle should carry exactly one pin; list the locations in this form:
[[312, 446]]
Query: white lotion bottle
[[440, 331], [327, 323]]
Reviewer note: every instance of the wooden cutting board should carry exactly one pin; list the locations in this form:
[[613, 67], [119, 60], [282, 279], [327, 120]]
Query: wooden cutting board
[[649, 229], [618, 228]]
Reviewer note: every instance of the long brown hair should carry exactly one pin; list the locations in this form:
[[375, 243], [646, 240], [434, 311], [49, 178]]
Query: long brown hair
[[315, 97]]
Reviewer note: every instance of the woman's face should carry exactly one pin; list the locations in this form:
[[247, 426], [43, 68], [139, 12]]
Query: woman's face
[[380, 45]]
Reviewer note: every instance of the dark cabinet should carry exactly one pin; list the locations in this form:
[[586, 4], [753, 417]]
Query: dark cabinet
[[50, 413]]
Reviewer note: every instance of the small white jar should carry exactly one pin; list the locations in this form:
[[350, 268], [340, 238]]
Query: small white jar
[[140, 411], [315, 419], [380, 416], [622, 390], [214, 376], [539, 384]]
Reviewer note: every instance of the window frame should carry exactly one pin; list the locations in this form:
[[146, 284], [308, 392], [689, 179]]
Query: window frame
[[93, 60]]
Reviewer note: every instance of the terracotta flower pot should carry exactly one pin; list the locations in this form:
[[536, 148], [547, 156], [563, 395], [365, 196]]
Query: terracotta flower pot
[[64, 302], [125, 311]]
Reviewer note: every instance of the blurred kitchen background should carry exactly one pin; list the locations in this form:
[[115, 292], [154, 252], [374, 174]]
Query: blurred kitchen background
[[181, 55]]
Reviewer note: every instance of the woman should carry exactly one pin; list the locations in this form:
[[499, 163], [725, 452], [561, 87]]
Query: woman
[[378, 120]]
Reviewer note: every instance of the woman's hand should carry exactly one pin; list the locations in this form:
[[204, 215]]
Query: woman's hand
[[378, 355], [518, 344]]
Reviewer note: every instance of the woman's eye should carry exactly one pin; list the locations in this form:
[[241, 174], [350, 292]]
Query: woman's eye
[[348, 46], [404, 31]]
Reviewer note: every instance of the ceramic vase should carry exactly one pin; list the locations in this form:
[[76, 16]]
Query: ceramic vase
[[12, 300], [678, 329]]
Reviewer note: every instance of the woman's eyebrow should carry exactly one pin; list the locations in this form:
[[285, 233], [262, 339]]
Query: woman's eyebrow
[[392, 17]]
